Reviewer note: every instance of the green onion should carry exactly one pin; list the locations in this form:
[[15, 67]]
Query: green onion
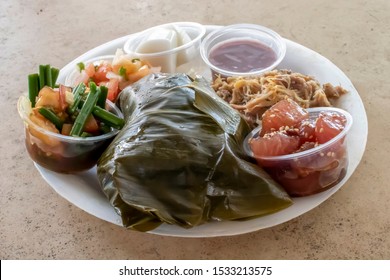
[[135, 59], [42, 76], [45, 76], [108, 118], [54, 75], [104, 128], [122, 72], [51, 116], [48, 78], [86, 110], [102, 97], [80, 66], [33, 88], [78, 92]]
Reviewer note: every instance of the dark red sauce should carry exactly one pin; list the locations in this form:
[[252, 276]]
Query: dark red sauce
[[242, 56]]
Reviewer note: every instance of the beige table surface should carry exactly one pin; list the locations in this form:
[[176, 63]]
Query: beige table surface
[[36, 223]]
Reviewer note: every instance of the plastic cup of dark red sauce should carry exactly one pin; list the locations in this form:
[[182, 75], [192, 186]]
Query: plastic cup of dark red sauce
[[310, 171], [242, 50]]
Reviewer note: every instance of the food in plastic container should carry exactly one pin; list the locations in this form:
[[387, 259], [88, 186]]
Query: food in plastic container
[[304, 150], [67, 129], [242, 50], [168, 46]]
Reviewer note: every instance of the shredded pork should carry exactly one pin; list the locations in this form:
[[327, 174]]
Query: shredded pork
[[252, 96]]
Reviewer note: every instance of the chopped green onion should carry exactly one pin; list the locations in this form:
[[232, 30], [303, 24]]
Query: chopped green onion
[[51, 116], [80, 66], [105, 116], [135, 59], [78, 92], [54, 75], [102, 97], [108, 118], [42, 76], [86, 110], [104, 128], [33, 88], [122, 72], [48, 78]]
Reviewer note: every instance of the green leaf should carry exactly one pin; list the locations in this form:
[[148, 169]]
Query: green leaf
[[179, 159], [210, 103]]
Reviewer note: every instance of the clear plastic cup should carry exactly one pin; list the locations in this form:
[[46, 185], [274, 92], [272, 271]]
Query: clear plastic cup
[[311, 171], [169, 59], [260, 41], [60, 153]]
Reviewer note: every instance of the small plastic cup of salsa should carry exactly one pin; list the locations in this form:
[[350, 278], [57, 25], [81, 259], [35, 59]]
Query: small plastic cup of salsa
[[61, 153], [242, 50], [310, 171]]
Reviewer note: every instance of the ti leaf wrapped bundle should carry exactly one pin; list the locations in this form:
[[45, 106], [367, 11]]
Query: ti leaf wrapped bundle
[[178, 159]]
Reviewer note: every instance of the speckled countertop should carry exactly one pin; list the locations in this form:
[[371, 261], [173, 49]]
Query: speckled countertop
[[37, 223]]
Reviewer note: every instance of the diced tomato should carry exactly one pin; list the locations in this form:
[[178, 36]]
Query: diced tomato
[[328, 126], [113, 89], [284, 113], [90, 70], [101, 72], [274, 144], [91, 125]]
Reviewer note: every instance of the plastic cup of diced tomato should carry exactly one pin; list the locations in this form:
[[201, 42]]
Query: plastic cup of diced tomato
[[311, 170], [61, 153]]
